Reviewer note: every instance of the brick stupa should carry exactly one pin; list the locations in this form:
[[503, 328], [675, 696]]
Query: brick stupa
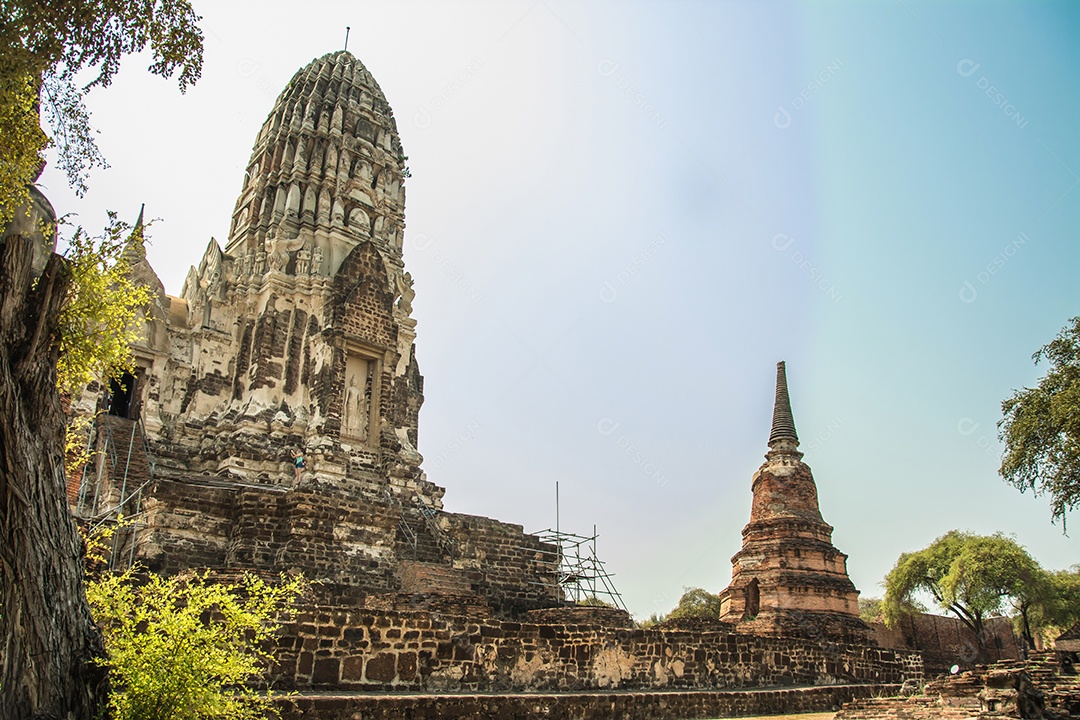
[[788, 578]]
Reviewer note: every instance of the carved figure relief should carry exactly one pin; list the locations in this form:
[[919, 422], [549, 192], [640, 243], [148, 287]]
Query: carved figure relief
[[303, 260], [358, 222], [406, 292], [356, 412], [280, 248], [278, 260]]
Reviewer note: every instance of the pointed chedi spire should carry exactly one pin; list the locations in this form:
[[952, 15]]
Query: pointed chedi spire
[[783, 423], [788, 578], [135, 246]]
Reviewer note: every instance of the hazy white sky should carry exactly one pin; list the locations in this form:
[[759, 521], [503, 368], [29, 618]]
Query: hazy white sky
[[622, 215]]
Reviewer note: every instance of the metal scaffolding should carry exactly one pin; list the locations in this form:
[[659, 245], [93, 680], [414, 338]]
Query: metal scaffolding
[[581, 573], [430, 518], [106, 496]]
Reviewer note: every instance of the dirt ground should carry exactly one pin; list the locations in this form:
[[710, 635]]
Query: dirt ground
[[810, 716]]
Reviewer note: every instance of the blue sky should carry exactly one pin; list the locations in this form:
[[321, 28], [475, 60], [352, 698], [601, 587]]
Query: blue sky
[[622, 215]]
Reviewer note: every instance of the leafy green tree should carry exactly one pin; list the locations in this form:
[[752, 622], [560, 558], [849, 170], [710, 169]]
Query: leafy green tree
[[972, 576], [44, 46], [48, 638], [1058, 607], [98, 323], [21, 141], [651, 621], [185, 648], [870, 609], [593, 601], [1040, 427], [696, 603]]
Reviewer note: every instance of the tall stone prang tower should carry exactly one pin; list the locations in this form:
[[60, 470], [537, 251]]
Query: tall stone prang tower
[[297, 339], [788, 578], [300, 332]]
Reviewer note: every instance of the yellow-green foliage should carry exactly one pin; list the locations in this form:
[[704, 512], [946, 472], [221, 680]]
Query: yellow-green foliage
[[870, 609], [973, 576], [76, 452], [1058, 607], [44, 46], [651, 621], [22, 140], [184, 648], [98, 323]]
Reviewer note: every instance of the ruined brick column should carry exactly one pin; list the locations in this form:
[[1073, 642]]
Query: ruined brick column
[[788, 578]]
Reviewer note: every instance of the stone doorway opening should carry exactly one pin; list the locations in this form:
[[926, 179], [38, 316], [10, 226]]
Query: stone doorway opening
[[123, 395]]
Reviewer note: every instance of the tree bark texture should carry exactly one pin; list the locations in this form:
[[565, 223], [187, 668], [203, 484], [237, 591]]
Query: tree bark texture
[[48, 639]]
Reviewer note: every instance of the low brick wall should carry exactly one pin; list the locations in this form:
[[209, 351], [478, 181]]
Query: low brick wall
[[367, 649], [608, 617], [945, 641], [343, 539], [577, 706], [511, 569]]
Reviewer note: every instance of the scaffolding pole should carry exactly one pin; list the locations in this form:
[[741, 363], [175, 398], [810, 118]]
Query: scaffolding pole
[[582, 575]]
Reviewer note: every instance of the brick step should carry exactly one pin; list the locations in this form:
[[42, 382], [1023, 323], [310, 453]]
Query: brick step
[[912, 708], [426, 548], [130, 454], [426, 577], [626, 705]]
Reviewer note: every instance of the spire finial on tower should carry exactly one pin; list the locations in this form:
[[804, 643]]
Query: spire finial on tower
[[135, 245], [783, 424], [346, 38]]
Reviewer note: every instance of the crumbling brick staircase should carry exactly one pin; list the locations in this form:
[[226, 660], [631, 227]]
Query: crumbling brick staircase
[[124, 468], [1032, 688], [419, 536], [425, 551]]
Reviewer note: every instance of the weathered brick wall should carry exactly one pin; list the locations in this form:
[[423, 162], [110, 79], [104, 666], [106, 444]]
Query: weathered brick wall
[[608, 617], [512, 568], [577, 706], [365, 649], [945, 641], [334, 538], [430, 577], [188, 526], [1007, 689], [340, 538]]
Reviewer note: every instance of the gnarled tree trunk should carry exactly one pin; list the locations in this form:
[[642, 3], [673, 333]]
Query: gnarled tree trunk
[[48, 640]]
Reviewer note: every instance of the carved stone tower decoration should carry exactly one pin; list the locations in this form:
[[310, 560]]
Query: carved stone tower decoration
[[298, 334], [788, 578], [325, 175]]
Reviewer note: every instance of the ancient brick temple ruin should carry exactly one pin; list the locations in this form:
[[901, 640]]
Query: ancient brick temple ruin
[[1037, 688], [296, 339], [788, 578]]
